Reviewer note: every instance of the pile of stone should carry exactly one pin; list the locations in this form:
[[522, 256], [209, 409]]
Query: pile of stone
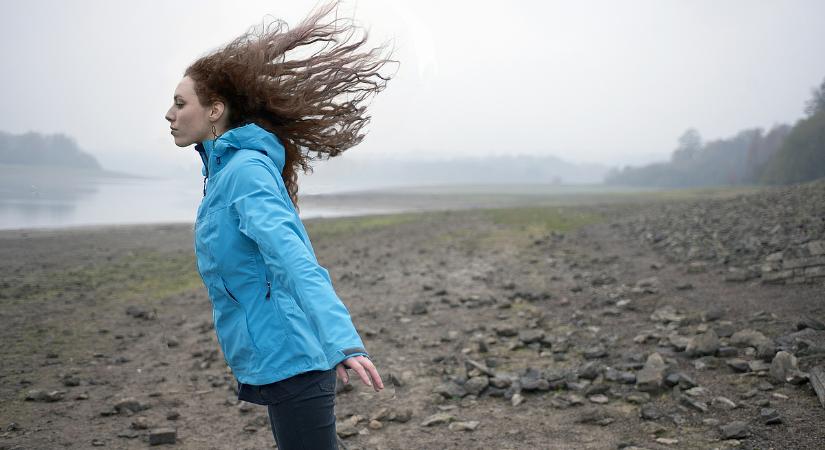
[[776, 235]]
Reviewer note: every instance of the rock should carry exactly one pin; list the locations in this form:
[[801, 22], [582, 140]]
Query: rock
[[162, 436], [594, 352], [649, 412], [501, 382], [637, 398], [129, 405], [727, 352], [735, 430], [401, 416], [588, 371], [600, 399], [375, 425], [140, 423], [652, 375], [620, 376], [723, 402], [437, 419], [516, 399], [765, 348], [748, 338], [346, 431], [450, 390], [738, 365], [39, 395], [703, 345], [782, 366], [693, 403], [418, 308], [758, 366], [810, 322], [595, 416], [530, 336], [678, 342], [476, 385], [506, 330], [770, 416], [666, 314], [464, 426]]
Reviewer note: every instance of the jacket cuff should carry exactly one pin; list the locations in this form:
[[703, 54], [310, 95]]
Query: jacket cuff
[[336, 357]]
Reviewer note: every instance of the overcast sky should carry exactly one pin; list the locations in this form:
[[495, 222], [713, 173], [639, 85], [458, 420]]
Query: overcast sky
[[589, 81]]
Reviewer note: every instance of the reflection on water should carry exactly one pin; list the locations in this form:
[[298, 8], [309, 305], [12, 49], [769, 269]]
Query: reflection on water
[[51, 197]]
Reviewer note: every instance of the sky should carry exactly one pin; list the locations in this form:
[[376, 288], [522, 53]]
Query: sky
[[613, 82]]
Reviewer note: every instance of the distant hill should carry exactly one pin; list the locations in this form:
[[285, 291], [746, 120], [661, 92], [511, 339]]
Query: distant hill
[[356, 173], [35, 149]]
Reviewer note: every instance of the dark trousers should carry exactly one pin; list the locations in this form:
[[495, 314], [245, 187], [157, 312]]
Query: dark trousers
[[301, 409]]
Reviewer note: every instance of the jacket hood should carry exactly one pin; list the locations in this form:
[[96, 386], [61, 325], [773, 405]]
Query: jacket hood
[[251, 137]]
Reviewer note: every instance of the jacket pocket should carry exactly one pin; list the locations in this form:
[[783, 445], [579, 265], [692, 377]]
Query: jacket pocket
[[229, 293]]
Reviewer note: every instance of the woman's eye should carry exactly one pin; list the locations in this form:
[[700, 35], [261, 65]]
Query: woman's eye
[[179, 105]]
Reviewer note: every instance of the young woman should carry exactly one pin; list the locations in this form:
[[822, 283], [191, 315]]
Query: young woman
[[255, 116]]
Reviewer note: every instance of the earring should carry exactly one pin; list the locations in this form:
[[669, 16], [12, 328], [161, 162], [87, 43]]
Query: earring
[[214, 131]]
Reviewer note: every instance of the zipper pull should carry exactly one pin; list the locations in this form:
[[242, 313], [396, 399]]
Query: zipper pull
[[204, 186], [268, 287]]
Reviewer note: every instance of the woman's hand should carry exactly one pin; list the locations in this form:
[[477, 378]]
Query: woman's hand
[[366, 371]]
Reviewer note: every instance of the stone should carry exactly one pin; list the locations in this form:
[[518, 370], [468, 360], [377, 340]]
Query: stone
[[649, 412], [595, 416], [129, 404], [723, 402], [464, 426], [345, 431], [530, 336], [450, 390], [476, 385], [666, 314], [375, 425], [652, 375], [162, 436], [748, 338], [735, 430], [738, 365], [595, 352], [501, 382], [437, 419], [703, 345], [600, 399], [419, 308], [782, 366], [810, 322], [770, 416]]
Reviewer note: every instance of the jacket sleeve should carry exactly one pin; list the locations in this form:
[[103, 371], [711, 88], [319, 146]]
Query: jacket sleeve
[[267, 217]]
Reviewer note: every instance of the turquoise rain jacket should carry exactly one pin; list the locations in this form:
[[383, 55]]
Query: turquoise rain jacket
[[275, 311]]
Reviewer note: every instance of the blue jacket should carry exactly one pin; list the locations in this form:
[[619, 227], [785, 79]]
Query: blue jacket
[[275, 311]]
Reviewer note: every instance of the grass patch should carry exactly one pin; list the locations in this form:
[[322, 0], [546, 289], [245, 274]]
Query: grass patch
[[335, 227]]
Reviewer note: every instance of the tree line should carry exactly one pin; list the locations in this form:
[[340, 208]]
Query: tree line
[[35, 149], [782, 155]]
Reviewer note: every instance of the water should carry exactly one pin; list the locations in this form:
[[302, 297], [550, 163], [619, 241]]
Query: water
[[44, 199]]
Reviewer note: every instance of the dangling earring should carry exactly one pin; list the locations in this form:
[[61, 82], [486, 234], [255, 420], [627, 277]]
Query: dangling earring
[[214, 132]]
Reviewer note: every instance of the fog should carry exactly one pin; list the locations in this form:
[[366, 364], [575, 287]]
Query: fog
[[611, 83]]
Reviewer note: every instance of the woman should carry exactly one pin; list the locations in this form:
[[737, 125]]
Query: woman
[[250, 111]]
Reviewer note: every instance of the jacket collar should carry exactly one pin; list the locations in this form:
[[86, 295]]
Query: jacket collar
[[215, 153]]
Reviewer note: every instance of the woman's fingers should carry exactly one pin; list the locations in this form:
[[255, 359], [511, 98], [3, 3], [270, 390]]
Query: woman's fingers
[[342, 373], [365, 370], [373, 372]]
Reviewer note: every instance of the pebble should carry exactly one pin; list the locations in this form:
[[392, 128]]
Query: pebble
[[437, 419], [734, 430], [162, 436], [464, 426], [770, 416]]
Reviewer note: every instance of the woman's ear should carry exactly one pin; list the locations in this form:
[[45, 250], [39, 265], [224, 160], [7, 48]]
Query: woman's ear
[[217, 110]]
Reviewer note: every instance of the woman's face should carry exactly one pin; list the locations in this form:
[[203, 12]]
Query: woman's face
[[189, 120]]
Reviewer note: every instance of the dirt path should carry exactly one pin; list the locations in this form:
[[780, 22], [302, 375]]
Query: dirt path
[[500, 331]]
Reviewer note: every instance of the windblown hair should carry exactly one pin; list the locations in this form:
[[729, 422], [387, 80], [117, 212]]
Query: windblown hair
[[314, 103]]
